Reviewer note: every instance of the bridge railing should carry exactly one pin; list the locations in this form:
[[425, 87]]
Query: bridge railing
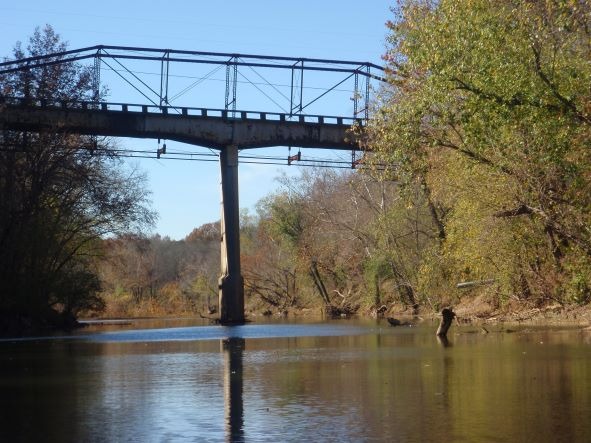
[[182, 111]]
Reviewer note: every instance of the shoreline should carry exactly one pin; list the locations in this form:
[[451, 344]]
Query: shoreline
[[473, 312]]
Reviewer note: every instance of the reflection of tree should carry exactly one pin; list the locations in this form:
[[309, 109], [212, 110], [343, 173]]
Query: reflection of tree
[[233, 386], [39, 387], [443, 341]]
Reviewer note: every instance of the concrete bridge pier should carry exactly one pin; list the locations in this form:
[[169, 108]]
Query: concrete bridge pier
[[231, 283]]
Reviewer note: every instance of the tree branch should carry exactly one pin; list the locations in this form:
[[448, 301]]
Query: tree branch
[[568, 103]]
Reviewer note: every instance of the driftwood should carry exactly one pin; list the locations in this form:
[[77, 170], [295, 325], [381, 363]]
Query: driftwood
[[447, 316], [470, 284], [515, 212], [395, 322]]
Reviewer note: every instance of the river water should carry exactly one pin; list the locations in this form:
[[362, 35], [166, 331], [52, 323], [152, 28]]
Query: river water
[[332, 381]]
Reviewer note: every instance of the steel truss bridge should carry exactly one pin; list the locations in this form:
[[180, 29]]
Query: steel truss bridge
[[308, 103]]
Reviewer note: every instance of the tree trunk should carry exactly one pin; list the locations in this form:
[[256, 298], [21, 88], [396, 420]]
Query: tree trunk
[[318, 283], [437, 219], [447, 315]]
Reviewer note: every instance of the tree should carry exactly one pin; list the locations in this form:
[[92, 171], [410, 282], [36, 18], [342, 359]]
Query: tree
[[207, 231], [57, 199], [488, 108], [157, 275], [344, 237]]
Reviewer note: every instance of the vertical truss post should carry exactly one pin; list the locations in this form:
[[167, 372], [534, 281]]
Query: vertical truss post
[[164, 65], [297, 89], [367, 77], [355, 110], [231, 84], [291, 92], [96, 78], [234, 84], [356, 95], [301, 88], [96, 94]]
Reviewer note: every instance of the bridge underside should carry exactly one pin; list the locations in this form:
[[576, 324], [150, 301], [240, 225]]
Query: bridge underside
[[241, 129], [226, 131]]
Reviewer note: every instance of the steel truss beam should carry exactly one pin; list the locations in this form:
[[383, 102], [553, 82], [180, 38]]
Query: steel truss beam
[[105, 54]]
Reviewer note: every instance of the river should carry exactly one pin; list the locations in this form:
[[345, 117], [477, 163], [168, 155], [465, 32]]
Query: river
[[339, 381]]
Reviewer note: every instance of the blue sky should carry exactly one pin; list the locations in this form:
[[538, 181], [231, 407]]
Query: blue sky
[[186, 194]]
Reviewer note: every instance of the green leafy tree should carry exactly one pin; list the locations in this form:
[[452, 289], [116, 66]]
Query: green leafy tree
[[489, 107]]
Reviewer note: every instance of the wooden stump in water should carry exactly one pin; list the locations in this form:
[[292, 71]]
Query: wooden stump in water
[[447, 316], [394, 321]]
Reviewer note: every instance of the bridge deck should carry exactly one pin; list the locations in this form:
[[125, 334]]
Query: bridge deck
[[213, 128]]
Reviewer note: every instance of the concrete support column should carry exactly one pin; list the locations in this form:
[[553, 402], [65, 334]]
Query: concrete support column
[[231, 284]]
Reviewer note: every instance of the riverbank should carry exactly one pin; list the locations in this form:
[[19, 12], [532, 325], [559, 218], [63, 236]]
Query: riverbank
[[19, 324], [468, 311], [476, 310]]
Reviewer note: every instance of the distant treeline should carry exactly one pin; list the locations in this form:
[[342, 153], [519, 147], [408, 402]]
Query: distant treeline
[[340, 242], [144, 276]]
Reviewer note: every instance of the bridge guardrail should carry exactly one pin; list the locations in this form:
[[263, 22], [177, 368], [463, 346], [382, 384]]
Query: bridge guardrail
[[184, 111]]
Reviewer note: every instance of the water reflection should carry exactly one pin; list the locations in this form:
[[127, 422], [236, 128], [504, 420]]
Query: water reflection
[[315, 383], [233, 349], [444, 341]]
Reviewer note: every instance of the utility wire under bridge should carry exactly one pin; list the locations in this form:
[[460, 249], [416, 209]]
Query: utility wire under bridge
[[221, 101]]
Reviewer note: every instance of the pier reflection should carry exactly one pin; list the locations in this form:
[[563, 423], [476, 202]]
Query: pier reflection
[[233, 349]]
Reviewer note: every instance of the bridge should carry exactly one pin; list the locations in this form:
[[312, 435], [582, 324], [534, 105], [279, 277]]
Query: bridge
[[288, 118]]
